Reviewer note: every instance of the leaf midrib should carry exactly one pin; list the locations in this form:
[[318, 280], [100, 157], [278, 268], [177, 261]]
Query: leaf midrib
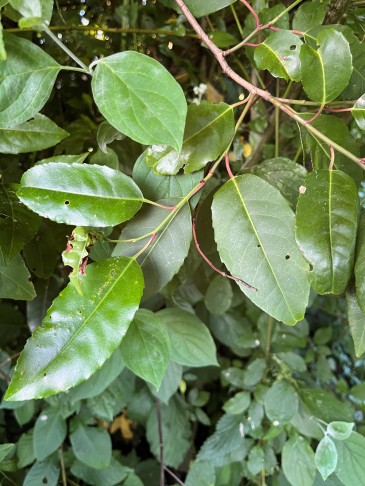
[[78, 194]]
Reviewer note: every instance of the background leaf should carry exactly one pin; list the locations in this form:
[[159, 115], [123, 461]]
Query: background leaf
[[72, 334], [356, 319], [321, 78], [49, 433], [37, 134], [92, 446], [26, 80], [134, 93], [146, 347], [309, 15], [209, 129], [281, 402], [14, 280], [350, 467], [326, 224], [81, 195], [266, 255], [298, 462]]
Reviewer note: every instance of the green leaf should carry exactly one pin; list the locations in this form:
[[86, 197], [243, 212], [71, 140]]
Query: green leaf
[[199, 8], [26, 80], [75, 254], [298, 462], [358, 112], [14, 280], [24, 449], [42, 473], [284, 174], [80, 195], [356, 86], [37, 134], [256, 460], [325, 405], [309, 15], [140, 98], [2, 46], [146, 347], [326, 457], [351, 466], [227, 444], [49, 433], [356, 319], [33, 8], [322, 79], [219, 295], [92, 446], [66, 159], [326, 225], [4, 450], [18, 225], [335, 129], [238, 403], [281, 402], [191, 342], [265, 255], [107, 134], [71, 334], [170, 382], [157, 186], [41, 254], [165, 255], [254, 372], [112, 475], [222, 39], [200, 473], [209, 129], [279, 54], [340, 430]]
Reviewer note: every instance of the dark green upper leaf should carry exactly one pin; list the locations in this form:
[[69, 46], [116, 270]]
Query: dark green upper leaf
[[326, 71], [254, 230], [279, 54], [81, 195], [37, 134], [79, 333], [26, 81], [140, 98], [326, 225], [209, 129]]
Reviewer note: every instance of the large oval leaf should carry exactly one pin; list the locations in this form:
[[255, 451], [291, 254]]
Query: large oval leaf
[[326, 71], [326, 225], [140, 98], [164, 257], [81, 195], [26, 80], [79, 333], [254, 231], [209, 129], [279, 54]]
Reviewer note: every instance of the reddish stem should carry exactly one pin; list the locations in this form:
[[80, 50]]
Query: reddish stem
[[338, 110], [206, 259], [228, 167], [316, 115], [248, 6], [332, 158]]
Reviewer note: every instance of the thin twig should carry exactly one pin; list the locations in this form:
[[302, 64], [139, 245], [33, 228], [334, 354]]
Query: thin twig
[[160, 436], [63, 469], [173, 475]]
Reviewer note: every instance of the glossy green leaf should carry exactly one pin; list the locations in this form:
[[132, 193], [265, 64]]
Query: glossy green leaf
[[356, 318], [265, 254], [209, 129], [92, 446], [356, 86], [219, 295], [281, 402], [112, 475], [26, 80], [66, 159], [298, 462], [326, 457], [140, 98], [340, 430], [72, 334], [358, 112], [335, 129], [322, 79], [81, 195], [223, 39], [4, 450], [326, 225], [284, 174], [75, 255], [309, 15], [157, 186], [42, 473], [191, 342], [199, 8], [279, 54], [165, 255], [33, 135], [14, 280], [238, 403], [351, 466], [18, 225], [146, 347], [49, 433]]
